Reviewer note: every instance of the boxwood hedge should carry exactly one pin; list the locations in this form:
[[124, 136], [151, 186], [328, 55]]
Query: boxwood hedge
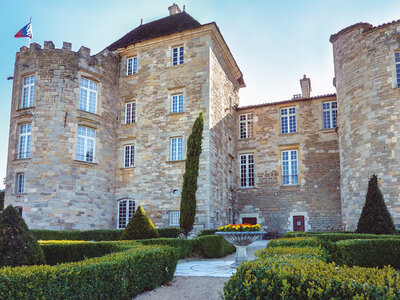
[[119, 275]]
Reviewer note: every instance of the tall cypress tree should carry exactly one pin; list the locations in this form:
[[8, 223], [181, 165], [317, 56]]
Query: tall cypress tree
[[189, 188], [375, 217]]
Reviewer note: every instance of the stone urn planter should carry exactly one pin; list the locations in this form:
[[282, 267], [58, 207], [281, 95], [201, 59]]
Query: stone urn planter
[[241, 239]]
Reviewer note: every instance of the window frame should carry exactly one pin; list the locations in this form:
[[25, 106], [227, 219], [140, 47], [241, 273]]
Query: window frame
[[286, 121], [397, 67], [30, 87], [177, 99], [86, 138], [174, 218], [246, 126], [249, 171], [290, 161], [26, 144], [130, 163], [331, 113], [85, 104], [20, 183], [134, 65], [128, 214], [131, 119], [178, 59], [176, 155]]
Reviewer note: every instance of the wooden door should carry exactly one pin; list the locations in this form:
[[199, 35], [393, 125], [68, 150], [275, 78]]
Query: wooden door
[[298, 223]]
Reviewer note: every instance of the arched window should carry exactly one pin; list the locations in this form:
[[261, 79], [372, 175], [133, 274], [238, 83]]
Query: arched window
[[126, 209]]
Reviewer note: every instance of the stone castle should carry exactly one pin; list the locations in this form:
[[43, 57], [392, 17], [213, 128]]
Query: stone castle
[[94, 136]]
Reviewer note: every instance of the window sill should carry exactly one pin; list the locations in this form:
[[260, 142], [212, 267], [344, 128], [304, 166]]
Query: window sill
[[22, 109], [288, 134], [130, 77], [88, 163], [328, 130], [174, 161], [246, 139], [19, 194], [289, 185], [247, 187], [129, 124], [177, 66], [176, 113], [127, 168], [22, 159]]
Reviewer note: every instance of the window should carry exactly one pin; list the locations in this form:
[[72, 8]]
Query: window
[[177, 103], [130, 112], [288, 120], [24, 142], [86, 143], [126, 209], [88, 96], [289, 168], [246, 126], [329, 113], [174, 216], [129, 154], [176, 148], [28, 91], [397, 60], [131, 66], [177, 55], [19, 210], [20, 187], [247, 170]]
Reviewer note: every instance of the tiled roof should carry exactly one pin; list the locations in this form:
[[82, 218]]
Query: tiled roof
[[165, 26], [286, 101]]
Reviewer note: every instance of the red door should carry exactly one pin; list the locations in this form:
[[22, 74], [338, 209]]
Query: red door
[[298, 223], [251, 221]]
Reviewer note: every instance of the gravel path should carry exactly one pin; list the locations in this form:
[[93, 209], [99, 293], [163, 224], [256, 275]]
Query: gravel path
[[193, 288]]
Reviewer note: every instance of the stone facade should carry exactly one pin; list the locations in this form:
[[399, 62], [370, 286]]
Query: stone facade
[[333, 165], [368, 115]]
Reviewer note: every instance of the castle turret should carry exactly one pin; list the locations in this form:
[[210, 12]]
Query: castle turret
[[368, 115]]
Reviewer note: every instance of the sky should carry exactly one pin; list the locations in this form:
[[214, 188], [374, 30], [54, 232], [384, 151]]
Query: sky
[[274, 43]]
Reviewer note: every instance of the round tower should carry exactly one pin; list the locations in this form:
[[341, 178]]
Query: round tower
[[60, 170], [368, 96]]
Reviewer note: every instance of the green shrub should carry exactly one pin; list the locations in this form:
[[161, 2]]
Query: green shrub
[[119, 275], [207, 232], [18, 247], [368, 253], [139, 227], [311, 278], [375, 217], [294, 242], [57, 252], [300, 252], [184, 247], [78, 235], [169, 232], [338, 236], [213, 246]]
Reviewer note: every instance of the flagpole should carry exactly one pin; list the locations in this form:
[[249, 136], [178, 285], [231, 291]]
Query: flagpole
[[29, 39]]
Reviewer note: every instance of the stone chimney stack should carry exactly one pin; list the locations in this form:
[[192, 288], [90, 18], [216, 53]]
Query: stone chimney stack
[[174, 9], [305, 84]]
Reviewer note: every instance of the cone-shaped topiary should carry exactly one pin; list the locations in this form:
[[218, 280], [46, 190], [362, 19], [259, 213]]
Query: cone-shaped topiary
[[189, 188], [375, 217], [18, 247], [139, 227]]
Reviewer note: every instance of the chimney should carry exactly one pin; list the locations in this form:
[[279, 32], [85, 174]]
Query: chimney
[[305, 84], [174, 9]]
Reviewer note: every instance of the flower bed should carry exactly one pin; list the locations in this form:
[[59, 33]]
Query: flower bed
[[239, 227]]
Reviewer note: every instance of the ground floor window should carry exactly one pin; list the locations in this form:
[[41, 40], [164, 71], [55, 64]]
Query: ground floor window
[[126, 209], [174, 216]]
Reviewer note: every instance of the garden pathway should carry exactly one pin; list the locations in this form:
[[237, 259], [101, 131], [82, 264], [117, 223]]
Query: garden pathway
[[199, 279]]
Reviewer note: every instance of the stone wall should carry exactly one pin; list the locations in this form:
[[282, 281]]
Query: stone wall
[[61, 192], [369, 115], [317, 197]]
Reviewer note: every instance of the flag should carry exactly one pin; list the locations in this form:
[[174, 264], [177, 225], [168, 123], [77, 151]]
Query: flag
[[26, 31]]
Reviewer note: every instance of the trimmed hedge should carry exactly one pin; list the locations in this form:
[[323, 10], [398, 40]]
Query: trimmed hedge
[[78, 235], [169, 232], [368, 253], [338, 236], [120, 275], [294, 242], [184, 248], [213, 246], [311, 278], [57, 252], [300, 252], [207, 232]]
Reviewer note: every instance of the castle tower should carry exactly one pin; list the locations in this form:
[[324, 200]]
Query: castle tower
[[368, 93]]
